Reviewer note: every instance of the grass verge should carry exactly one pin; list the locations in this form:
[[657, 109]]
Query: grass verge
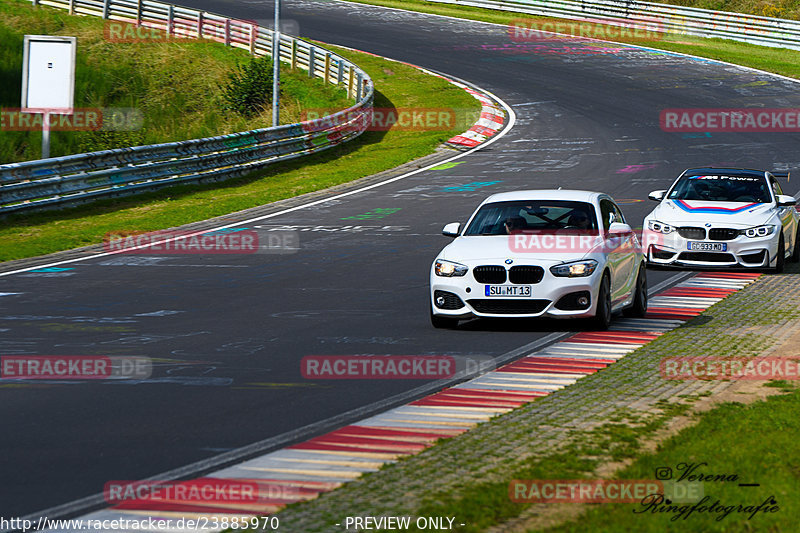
[[398, 86], [749, 458], [174, 86], [777, 60]]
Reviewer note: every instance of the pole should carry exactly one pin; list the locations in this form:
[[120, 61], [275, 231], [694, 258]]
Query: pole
[[46, 135], [276, 65]]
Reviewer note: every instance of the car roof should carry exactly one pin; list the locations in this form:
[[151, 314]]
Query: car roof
[[725, 172], [544, 194]]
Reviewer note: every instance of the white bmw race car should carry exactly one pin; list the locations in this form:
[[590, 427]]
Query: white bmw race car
[[718, 217], [555, 253]]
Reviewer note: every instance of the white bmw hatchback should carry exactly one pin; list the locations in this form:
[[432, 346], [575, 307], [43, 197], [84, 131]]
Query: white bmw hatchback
[[722, 217], [555, 253]]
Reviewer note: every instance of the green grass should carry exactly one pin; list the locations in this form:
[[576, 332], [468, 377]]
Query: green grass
[[175, 86], [785, 9], [774, 463], [777, 60]]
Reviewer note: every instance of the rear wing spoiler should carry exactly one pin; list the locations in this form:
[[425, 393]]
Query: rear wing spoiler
[[781, 174]]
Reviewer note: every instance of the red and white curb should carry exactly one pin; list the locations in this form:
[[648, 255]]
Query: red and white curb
[[491, 121], [303, 471]]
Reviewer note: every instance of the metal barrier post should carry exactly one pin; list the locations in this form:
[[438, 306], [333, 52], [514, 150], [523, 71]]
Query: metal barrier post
[[170, 19]]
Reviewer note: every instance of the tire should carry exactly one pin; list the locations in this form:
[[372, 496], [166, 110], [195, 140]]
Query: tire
[[443, 322], [602, 317], [639, 306], [781, 257], [796, 249]]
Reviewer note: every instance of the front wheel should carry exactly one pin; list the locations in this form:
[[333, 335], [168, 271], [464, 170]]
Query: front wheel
[[443, 322], [639, 306], [796, 248], [602, 316], [781, 257]]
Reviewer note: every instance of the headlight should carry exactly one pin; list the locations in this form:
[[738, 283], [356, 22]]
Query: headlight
[[655, 225], [574, 270], [449, 269], [759, 231]]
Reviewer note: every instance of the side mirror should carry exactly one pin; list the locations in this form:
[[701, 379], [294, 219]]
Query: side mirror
[[657, 196], [619, 228], [784, 200], [452, 229]]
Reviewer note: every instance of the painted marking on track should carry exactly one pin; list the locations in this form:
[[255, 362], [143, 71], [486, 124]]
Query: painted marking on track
[[375, 214], [445, 166], [53, 269], [470, 187], [626, 201], [632, 169]]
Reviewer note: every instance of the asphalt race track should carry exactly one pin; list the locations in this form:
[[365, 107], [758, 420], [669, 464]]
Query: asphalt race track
[[226, 333]]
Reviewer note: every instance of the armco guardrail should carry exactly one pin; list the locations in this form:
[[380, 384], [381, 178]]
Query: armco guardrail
[[753, 29], [75, 179]]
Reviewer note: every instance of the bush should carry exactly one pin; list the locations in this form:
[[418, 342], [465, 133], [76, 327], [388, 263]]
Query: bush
[[249, 89]]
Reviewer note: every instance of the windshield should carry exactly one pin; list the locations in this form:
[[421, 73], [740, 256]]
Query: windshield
[[506, 218], [721, 189]]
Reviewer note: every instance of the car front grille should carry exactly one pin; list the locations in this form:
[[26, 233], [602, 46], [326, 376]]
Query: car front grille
[[509, 307], [723, 234], [689, 232], [494, 274], [525, 274], [707, 257]]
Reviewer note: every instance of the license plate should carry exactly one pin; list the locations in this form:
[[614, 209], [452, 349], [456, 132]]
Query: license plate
[[504, 291], [708, 246]]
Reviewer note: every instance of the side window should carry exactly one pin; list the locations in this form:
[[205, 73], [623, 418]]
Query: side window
[[606, 212], [618, 213], [776, 187]]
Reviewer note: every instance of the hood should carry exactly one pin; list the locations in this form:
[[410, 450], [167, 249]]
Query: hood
[[495, 249], [698, 212]]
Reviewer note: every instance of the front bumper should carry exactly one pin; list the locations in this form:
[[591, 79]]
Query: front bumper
[[554, 297], [673, 250]]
